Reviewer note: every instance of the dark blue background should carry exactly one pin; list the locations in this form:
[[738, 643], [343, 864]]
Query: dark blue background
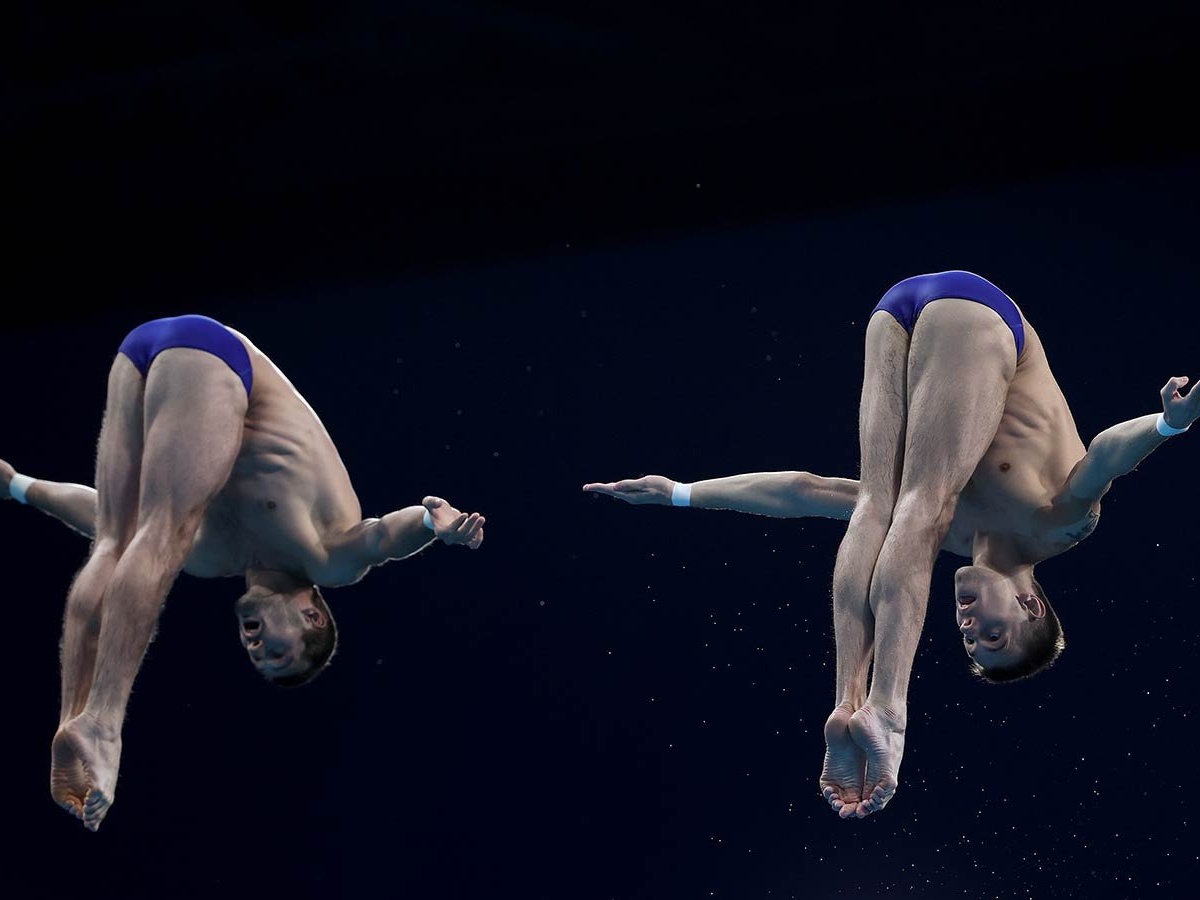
[[609, 702]]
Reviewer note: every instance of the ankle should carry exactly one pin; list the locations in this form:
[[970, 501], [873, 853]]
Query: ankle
[[893, 712]]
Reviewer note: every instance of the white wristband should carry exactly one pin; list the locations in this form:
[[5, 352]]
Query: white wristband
[[681, 494], [427, 519], [18, 486], [1166, 430]]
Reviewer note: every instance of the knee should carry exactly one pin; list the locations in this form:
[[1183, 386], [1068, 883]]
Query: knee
[[106, 548], [925, 513], [163, 542], [872, 512]]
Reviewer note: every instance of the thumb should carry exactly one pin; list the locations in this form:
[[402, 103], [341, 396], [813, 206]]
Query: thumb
[[432, 503]]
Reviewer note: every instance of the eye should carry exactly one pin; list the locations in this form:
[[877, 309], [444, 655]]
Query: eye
[[994, 636], [970, 642]]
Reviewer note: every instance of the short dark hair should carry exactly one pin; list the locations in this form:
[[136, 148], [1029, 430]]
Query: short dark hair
[[319, 646], [1042, 643]]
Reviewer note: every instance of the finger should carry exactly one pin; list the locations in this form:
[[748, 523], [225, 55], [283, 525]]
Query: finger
[[631, 485], [477, 540], [457, 523], [1171, 388], [628, 495]]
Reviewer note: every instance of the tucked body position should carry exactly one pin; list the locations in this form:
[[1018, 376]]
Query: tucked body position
[[967, 445], [209, 462]]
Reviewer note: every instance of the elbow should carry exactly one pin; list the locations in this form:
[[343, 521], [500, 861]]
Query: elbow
[[801, 488], [801, 484]]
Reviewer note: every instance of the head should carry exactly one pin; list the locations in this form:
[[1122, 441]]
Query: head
[[1008, 628], [289, 635]]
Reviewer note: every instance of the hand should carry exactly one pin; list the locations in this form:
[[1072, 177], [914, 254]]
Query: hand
[[648, 489], [1178, 410], [453, 527], [6, 474]]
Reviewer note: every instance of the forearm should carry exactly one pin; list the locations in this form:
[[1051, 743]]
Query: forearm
[[790, 495], [401, 533], [72, 504]]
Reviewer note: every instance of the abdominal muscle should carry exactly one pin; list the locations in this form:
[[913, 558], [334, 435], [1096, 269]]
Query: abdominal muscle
[[287, 491]]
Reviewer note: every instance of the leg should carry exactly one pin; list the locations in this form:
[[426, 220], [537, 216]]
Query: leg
[[194, 412], [961, 362], [881, 427], [118, 468]]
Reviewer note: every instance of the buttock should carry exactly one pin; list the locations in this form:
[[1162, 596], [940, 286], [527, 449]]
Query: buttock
[[147, 341], [905, 300]]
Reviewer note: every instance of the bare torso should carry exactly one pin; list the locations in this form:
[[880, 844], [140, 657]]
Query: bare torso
[[288, 494], [1029, 461]]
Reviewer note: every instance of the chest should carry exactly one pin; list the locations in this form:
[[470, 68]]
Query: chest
[[1009, 495], [253, 525]]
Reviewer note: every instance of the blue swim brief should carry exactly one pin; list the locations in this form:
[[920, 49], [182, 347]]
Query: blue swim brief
[[906, 299], [146, 341]]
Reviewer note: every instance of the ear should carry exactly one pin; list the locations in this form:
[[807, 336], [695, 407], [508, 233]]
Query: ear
[[314, 617], [1032, 604]]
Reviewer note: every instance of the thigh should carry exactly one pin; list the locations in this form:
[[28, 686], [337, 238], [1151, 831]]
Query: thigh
[[119, 454], [195, 412], [960, 365], [882, 411]]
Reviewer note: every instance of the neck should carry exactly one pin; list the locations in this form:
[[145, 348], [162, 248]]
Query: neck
[[273, 580], [1002, 553]]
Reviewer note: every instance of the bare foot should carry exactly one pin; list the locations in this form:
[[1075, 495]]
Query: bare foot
[[880, 734], [845, 762], [84, 758]]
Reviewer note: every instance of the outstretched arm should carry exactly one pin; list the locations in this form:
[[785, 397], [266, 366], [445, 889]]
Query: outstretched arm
[[72, 504], [397, 535], [1116, 451], [790, 495]]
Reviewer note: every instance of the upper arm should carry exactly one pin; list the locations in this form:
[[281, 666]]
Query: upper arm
[[1075, 509], [1089, 480]]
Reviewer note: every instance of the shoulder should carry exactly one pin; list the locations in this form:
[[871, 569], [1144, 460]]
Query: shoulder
[[1067, 522]]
